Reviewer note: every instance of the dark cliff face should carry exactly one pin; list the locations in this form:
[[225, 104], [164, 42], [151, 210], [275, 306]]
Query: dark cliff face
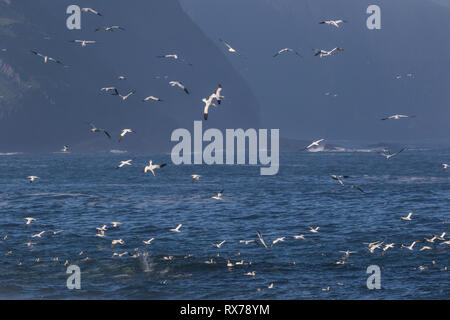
[[44, 106], [413, 39]]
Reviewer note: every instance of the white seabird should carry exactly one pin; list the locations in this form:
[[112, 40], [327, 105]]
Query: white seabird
[[32, 178], [208, 102], [124, 132], [334, 23], [91, 11], [397, 117], [94, 129], [324, 53], [151, 167], [111, 28], [153, 98], [230, 49], [314, 143], [179, 85], [218, 196], [408, 217], [287, 50], [177, 229], [46, 58], [195, 177], [124, 163], [84, 43]]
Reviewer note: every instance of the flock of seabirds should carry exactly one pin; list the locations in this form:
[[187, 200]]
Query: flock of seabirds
[[382, 245]]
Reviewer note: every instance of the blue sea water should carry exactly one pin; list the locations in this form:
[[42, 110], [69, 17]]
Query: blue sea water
[[79, 192]]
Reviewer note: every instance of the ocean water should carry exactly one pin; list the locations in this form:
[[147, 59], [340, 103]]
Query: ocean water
[[79, 192]]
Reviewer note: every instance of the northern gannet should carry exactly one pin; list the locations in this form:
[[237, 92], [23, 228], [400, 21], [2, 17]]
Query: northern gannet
[[334, 23], [230, 49], [84, 43], [397, 117], [179, 85], [32, 178], [323, 53], [177, 229], [124, 163], [287, 50], [151, 167], [91, 11], [314, 143], [124, 132], [218, 196], [208, 102]]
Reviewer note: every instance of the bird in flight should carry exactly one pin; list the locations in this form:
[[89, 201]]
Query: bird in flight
[[65, 149], [219, 245], [46, 58], [339, 178], [231, 49], [281, 239], [314, 143], [151, 167], [324, 53], [124, 132], [208, 102], [334, 23], [125, 97], [408, 217], [29, 220], [177, 229], [389, 156], [180, 85], [285, 50], [261, 239], [111, 28], [91, 11], [173, 56], [32, 178], [195, 178], [84, 43], [94, 129], [357, 188], [217, 94], [124, 163], [151, 98], [397, 117], [445, 166]]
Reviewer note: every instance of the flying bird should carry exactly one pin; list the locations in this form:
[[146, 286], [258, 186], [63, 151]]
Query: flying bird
[[217, 94], [151, 167], [124, 132], [285, 50], [94, 129], [261, 239], [208, 102], [339, 178], [219, 245], [397, 117], [276, 241], [180, 85], [151, 98], [314, 143], [195, 177], [177, 229], [324, 53], [65, 149], [389, 156], [29, 220], [408, 217], [124, 163], [111, 28], [91, 11], [114, 242], [84, 43], [230, 49], [46, 58], [32, 178], [334, 23]]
